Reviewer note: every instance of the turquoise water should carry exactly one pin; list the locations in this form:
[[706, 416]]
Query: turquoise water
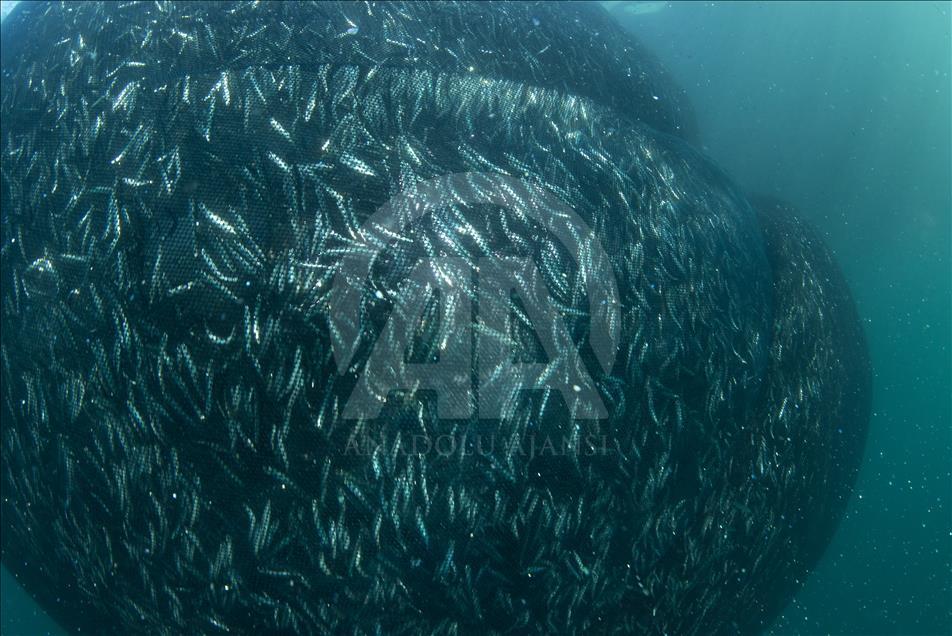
[[843, 110]]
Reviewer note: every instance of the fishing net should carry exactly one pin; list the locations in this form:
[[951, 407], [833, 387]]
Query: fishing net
[[400, 318]]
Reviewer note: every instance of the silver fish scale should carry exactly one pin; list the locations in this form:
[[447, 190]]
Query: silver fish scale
[[180, 183]]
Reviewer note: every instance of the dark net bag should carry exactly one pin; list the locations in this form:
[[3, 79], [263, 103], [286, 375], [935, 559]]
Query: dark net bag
[[183, 185]]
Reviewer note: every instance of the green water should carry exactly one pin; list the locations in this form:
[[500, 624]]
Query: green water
[[844, 111]]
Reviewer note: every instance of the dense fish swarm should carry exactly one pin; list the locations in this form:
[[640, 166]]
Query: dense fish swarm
[[180, 182]]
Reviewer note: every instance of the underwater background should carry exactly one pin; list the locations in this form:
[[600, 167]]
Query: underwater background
[[844, 111]]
